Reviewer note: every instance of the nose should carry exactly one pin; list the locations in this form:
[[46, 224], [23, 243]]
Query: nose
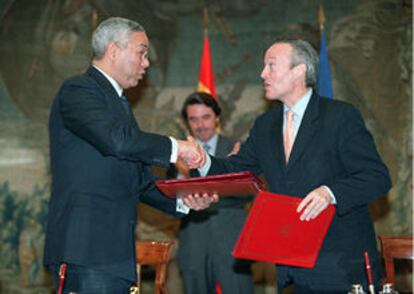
[[145, 63], [264, 73], [200, 124]]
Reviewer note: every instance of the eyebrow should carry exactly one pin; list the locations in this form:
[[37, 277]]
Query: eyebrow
[[145, 46], [271, 58]]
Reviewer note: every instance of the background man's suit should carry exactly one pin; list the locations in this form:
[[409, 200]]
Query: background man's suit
[[208, 237], [103, 169], [333, 148]]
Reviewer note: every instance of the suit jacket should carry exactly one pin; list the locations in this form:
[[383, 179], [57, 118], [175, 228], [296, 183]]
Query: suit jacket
[[333, 148], [100, 163]]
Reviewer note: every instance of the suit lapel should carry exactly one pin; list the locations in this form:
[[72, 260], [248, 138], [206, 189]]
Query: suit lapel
[[307, 131], [109, 92], [220, 150], [276, 138], [104, 84]]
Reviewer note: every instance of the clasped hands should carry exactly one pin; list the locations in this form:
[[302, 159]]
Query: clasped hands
[[191, 153], [193, 156]]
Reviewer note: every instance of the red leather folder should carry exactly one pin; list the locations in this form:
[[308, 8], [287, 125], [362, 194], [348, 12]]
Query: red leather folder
[[274, 233], [235, 184]]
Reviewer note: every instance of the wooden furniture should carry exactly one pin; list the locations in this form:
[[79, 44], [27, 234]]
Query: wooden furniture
[[395, 247], [156, 254]]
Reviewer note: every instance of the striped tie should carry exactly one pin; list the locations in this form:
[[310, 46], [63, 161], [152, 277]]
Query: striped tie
[[288, 134]]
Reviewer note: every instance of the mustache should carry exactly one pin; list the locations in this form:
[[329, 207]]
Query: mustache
[[198, 130]]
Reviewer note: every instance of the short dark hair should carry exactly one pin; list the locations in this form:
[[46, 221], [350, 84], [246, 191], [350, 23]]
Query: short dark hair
[[200, 98]]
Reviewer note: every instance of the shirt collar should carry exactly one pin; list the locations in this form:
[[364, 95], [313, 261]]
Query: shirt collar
[[114, 83], [300, 106], [212, 143]]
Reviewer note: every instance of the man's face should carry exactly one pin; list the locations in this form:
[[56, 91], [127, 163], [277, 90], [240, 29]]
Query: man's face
[[130, 62], [277, 72], [202, 121]]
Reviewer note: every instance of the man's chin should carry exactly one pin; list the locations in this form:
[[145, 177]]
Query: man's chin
[[269, 96], [134, 83]]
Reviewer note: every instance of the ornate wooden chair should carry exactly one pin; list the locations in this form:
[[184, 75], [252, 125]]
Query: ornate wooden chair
[[395, 247], [156, 254]]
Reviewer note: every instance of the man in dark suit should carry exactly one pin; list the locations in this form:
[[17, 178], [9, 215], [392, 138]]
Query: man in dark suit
[[100, 161], [320, 150], [207, 237]]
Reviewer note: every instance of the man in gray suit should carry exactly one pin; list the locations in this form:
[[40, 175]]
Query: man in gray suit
[[207, 238]]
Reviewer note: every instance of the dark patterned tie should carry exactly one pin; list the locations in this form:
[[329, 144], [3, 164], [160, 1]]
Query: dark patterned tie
[[125, 104]]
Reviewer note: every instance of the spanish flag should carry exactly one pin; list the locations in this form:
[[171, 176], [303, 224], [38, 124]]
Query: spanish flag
[[206, 76]]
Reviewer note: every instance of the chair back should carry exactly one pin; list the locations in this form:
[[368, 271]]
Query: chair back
[[156, 254], [395, 247]]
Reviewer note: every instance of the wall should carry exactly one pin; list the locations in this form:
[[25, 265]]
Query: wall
[[43, 42]]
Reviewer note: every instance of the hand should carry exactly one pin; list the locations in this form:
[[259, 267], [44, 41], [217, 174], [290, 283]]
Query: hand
[[314, 203], [182, 169], [191, 153], [235, 149], [199, 202]]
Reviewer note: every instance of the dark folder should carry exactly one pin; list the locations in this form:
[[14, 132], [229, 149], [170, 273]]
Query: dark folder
[[274, 233], [232, 184]]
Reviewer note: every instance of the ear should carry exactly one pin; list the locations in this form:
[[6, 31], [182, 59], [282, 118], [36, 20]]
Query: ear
[[218, 126], [300, 70], [111, 51]]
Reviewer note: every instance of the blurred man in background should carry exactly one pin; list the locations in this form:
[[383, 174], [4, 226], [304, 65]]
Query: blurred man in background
[[207, 237]]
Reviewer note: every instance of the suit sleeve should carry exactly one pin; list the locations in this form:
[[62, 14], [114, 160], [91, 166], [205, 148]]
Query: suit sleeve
[[150, 195], [87, 114], [245, 160], [365, 176]]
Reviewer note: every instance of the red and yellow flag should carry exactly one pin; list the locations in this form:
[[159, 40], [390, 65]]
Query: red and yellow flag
[[206, 76]]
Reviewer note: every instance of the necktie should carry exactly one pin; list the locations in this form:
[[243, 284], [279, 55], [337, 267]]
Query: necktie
[[288, 134], [125, 103], [206, 147]]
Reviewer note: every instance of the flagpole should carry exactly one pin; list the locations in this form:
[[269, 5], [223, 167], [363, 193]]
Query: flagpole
[[206, 75], [321, 15], [205, 20], [324, 85]]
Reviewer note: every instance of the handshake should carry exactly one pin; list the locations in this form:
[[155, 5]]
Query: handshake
[[191, 153]]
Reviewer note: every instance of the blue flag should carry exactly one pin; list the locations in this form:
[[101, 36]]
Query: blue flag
[[324, 74]]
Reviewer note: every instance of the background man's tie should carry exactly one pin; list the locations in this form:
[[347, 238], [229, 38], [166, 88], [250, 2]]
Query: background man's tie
[[288, 134], [206, 147]]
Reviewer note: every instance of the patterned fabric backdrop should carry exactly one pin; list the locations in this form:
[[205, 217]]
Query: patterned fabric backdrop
[[44, 42]]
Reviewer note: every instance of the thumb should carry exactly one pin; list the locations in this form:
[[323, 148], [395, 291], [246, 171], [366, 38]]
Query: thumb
[[190, 139]]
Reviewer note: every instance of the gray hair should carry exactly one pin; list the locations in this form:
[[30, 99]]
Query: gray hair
[[113, 29], [304, 53]]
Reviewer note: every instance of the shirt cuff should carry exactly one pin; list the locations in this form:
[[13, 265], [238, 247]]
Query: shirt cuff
[[206, 167], [181, 207], [330, 194], [174, 150]]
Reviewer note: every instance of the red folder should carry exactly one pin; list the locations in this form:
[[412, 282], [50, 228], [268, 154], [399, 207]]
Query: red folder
[[274, 233], [235, 184]]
